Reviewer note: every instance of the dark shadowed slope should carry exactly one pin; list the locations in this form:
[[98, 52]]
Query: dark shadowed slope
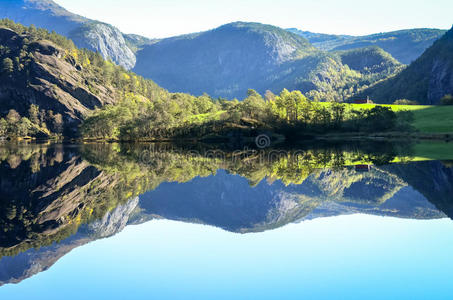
[[426, 80]]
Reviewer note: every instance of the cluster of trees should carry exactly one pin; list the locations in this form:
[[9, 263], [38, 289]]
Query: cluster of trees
[[135, 119], [38, 123], [447, 100], [294, 109], [96, 69], [405, 102]]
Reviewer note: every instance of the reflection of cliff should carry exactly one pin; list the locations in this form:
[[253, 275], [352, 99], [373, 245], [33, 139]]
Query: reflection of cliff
[[24, 265], [47, 192], [433, 179]]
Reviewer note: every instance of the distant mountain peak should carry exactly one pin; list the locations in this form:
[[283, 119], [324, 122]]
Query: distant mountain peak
[[405, 45]]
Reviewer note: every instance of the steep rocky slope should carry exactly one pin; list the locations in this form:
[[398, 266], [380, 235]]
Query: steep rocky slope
[[229, 60], [52, 80], [86, 33], [46, 70], [426, 80]]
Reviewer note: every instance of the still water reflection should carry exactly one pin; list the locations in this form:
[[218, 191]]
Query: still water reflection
[[348, 220]]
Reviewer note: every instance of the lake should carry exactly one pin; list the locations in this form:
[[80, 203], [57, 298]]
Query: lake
[[317, 220]]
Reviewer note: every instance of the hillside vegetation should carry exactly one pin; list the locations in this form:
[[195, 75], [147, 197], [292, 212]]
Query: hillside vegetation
[[46, 79], [426, 80]]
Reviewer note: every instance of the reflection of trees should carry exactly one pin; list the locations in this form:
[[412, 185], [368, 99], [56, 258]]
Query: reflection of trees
[[49, 190], [170, 162]]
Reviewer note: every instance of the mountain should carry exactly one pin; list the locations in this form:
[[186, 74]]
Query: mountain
[[322, 41], [45, 69], [222, 62], [86, 33], [426, 80], [369, 59], [229, 60], [404, 45], [372, 63]]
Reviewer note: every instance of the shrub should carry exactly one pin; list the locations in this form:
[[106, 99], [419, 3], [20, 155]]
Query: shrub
[[405, 102], [447, 100]]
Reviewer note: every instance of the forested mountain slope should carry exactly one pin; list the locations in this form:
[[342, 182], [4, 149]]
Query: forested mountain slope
[[426, 80]]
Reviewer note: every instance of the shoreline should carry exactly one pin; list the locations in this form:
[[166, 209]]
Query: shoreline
[[274, 137]]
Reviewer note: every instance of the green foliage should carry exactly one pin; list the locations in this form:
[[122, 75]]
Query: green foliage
[[14, 126], [184, 116], [405, 102], [137, 118], [447, 100], [7, 65]]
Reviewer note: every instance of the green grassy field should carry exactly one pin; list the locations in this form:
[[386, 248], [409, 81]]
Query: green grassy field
[[428, 119]]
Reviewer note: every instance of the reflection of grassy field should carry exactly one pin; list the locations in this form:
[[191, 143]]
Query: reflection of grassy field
[[434, 150]]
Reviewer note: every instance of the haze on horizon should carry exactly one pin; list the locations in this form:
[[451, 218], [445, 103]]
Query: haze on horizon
[[165, 18]]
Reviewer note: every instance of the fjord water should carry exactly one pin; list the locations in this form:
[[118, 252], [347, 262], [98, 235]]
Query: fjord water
[[331, 221]]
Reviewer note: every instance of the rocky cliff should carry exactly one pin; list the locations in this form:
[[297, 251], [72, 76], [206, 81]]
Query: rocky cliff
[[52, 80], [86, 33]]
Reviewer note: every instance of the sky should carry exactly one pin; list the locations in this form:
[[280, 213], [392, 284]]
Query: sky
[[164, 18]]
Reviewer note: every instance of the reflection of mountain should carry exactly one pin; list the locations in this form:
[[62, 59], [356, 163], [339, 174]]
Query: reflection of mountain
[[24, 265], [432, 179], [57, 198], [228, 201]]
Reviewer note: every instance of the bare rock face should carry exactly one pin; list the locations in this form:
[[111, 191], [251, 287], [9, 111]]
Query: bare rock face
[[53, 83], [441, 80], [106, 39], [85, 33]]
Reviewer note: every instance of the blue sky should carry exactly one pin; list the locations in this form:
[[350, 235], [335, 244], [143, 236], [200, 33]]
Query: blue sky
[[162, 18]]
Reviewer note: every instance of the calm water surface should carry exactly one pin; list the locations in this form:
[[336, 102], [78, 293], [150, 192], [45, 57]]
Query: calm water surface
[[355, 221]]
